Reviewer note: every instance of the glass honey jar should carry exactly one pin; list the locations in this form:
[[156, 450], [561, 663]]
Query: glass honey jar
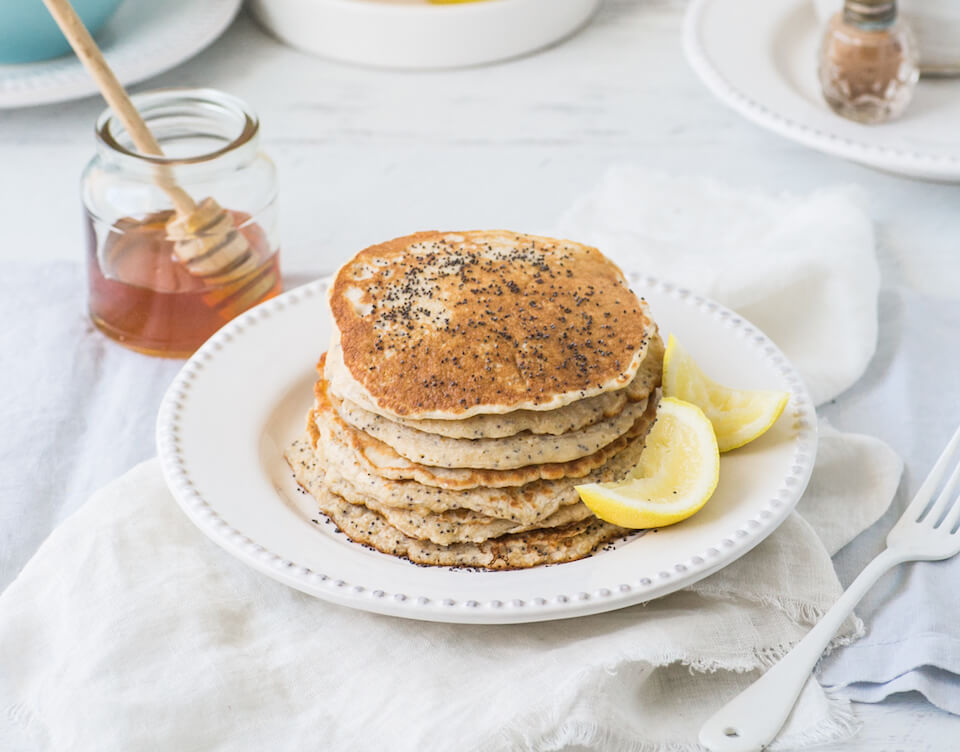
[[141, 293]]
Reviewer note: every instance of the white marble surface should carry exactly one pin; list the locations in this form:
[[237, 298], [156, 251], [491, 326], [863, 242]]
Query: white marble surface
[[364, 155]]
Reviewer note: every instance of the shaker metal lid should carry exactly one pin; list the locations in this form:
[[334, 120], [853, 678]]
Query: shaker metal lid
[[871, 13]]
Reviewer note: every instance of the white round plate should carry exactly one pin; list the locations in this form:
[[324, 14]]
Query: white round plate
[[142, 39], [760, 58], [243, 397], [419, 35]]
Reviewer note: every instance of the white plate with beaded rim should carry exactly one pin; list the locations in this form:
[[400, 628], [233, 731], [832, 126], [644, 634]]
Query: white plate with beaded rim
[[243, 397], [767, 72], [143, 38]]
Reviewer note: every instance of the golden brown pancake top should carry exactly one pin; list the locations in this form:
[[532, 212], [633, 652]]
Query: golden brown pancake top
[[458, 323]]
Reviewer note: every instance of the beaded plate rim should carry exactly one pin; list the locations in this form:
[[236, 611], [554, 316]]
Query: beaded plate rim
[[327, 585]]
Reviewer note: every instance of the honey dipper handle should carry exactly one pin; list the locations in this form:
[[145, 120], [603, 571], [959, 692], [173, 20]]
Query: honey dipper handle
[[116, 96]]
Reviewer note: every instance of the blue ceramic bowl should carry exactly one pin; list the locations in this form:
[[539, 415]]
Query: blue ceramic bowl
[[28, 32]]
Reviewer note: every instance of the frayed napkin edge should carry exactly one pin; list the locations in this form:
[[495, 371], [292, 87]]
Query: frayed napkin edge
[[20, 720], [840, 724], [802, 613]]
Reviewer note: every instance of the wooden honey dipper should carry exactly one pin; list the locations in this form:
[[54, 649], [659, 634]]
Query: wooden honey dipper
[[205, 237]]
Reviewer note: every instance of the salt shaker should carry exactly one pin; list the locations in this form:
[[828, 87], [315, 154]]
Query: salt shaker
[[868, 62]]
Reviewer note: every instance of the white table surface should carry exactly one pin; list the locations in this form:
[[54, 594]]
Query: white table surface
[[364, 155]]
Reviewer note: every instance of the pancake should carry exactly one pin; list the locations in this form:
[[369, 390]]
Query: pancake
[[516, 551], [450, 325], [472, 381], [454, 525], [564, 419], [379, 460], [506, 453], [518, 504]]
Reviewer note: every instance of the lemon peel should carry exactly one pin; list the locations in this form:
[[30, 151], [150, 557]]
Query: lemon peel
[[676, 475]]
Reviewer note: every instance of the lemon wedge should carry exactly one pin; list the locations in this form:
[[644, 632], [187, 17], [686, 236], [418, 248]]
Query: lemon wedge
[[738, 415], [676, 475]]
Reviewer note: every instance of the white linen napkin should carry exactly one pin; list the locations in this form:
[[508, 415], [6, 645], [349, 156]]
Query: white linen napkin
[[801, 268], [129, 630]]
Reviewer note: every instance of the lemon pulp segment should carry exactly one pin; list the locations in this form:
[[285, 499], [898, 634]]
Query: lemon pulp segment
[[738, 415], [676, 475]]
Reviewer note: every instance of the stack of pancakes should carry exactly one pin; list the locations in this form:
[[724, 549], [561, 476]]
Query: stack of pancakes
[[473, 379]]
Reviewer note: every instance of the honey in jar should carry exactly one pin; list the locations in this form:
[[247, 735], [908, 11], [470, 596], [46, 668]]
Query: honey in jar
[[140, 293]]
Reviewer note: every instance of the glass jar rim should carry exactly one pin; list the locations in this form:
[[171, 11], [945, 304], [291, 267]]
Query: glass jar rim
[[210, 99]]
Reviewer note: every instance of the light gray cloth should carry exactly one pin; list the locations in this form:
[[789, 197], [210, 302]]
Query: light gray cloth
[[77, 409], [910, 398]]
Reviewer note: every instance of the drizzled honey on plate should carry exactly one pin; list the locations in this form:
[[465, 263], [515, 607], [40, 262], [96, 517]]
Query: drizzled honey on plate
[[142, 296]]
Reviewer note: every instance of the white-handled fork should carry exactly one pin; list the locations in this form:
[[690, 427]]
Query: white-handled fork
[[925, 532]]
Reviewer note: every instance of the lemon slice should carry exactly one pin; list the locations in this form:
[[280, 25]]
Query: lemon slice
[[676, 475], [738, 415]]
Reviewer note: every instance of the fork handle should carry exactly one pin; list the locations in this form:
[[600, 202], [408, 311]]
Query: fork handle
[[753, 718]]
